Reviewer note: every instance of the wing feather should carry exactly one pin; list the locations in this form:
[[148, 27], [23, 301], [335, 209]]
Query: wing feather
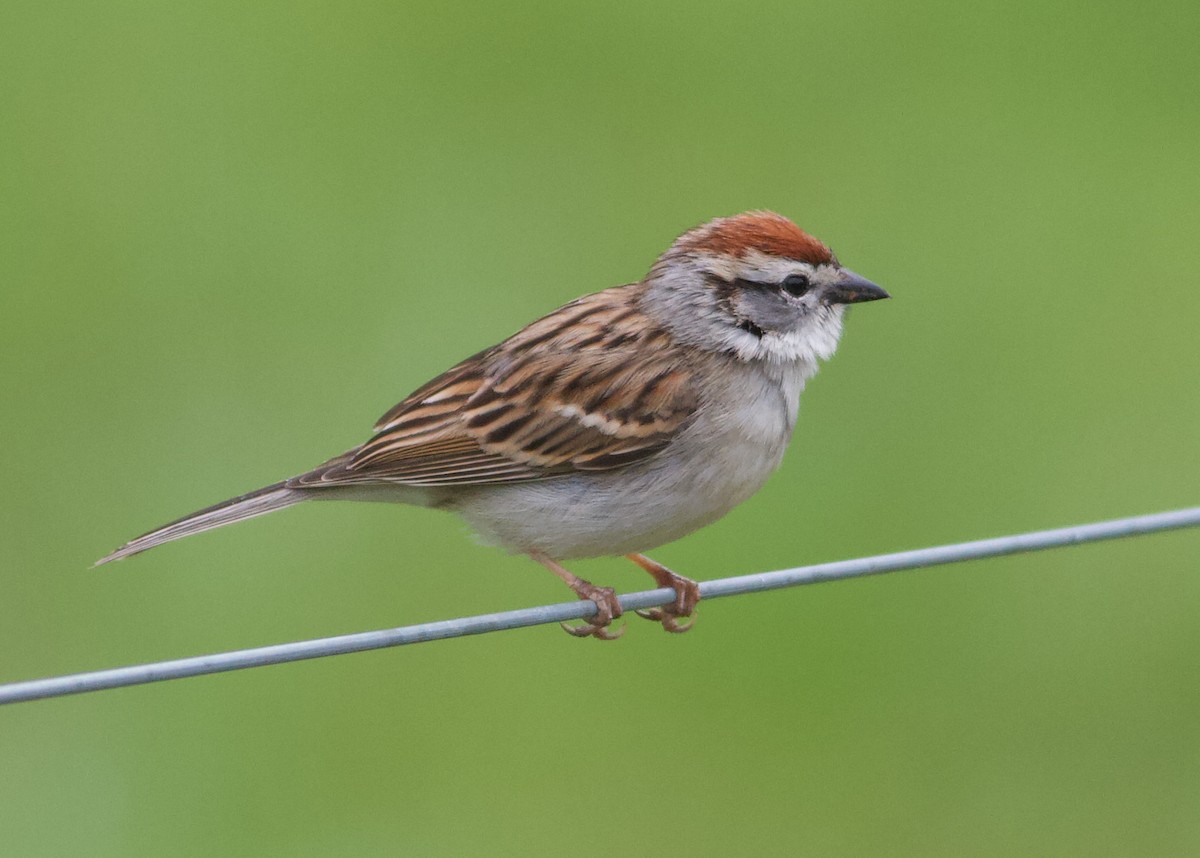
[[592, 386]]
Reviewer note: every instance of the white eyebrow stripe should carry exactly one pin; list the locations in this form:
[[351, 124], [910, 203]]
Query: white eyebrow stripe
[[753, 265]]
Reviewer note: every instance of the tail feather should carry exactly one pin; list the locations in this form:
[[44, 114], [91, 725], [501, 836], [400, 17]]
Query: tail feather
[[256, 503]]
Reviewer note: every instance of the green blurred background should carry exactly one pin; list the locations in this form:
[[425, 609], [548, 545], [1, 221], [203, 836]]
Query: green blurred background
[[231, 235]]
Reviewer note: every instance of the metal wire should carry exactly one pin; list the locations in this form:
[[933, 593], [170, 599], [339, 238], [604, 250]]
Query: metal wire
[[1036, 541]]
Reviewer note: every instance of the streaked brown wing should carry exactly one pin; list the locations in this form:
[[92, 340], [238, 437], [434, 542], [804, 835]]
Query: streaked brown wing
[[589, 387]]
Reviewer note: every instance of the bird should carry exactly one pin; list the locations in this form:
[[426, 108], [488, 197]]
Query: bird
[[619, 422]]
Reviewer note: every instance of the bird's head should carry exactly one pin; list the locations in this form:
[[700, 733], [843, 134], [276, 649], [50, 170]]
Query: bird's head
[[756, 285]]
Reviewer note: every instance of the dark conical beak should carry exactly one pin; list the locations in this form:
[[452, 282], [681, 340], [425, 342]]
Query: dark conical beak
[[853, 289]]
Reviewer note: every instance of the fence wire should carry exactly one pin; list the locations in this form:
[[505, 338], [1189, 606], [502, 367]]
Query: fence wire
[[299, 650]]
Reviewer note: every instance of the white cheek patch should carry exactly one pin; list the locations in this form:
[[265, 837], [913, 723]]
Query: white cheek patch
[[815, 340]]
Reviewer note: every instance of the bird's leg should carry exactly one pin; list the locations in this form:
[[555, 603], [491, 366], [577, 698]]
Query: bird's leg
[[607, 606], [687, 594]]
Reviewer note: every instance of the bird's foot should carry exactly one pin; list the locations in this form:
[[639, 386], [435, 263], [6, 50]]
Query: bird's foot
[[608, 608], [669, 621], [687, 594]]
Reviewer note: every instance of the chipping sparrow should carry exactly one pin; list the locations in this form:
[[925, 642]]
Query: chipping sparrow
[[621, 421]]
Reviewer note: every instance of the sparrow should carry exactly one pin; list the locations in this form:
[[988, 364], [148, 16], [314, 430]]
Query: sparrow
[[621, 421]]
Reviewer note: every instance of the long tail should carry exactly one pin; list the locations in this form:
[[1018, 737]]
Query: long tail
[[267, 499]]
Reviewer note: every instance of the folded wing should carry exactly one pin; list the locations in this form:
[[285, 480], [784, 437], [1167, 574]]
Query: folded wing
[[592, 386]]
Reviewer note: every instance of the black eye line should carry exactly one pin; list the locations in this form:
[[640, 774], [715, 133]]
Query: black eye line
[[780, 286], [742, 283]]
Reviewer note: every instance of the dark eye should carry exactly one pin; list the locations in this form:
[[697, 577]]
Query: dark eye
[[796, 284]]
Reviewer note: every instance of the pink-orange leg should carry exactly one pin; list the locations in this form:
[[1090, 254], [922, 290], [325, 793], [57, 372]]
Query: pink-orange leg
[[687, 594], [607, 606]]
